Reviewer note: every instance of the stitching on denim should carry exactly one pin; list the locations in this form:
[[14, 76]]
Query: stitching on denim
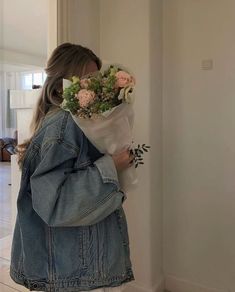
[[106, 178], [70, 147], [46, 125], [63, 125], [82, 166], [50, 255], [69, 282], [27, 160], [99, 203], [60, 139]]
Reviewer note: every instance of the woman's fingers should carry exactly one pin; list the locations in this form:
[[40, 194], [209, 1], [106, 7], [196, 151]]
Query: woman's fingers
[[123, 160]]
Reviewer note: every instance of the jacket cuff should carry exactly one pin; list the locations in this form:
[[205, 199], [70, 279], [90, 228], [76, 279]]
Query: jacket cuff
[[107, 169]]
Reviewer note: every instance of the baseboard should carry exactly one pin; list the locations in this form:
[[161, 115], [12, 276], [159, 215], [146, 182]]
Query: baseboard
[[174, 284], [160, 287], [135, 287]]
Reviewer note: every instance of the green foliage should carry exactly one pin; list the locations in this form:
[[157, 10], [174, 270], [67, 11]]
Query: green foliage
[[105, 106], [112, 70], [138, 153], [95, 85], [70, 91], [71, 103], [109, 84]]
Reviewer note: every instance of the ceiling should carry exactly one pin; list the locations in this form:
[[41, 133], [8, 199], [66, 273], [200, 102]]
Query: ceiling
[[24, 26]]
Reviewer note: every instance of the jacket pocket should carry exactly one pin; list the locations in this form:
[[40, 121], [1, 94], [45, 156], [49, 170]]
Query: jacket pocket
[[83, 240], [122, 224]]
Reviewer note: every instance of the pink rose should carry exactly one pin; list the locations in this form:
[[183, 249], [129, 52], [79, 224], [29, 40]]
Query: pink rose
[[84, 83], [85, 97], [124, 79]]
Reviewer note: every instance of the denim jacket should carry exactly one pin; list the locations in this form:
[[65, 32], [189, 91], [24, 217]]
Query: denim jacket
[[70, 232]]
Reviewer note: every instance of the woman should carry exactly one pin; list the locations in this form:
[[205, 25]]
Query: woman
[[71, 232]]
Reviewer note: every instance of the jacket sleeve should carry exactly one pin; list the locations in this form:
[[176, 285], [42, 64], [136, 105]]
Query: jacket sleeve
[[65, 196]]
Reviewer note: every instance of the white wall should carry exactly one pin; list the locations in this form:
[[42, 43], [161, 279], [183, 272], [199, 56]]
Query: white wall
[[120, 44], [199, 143], [132, 37], [86, 23], [155, 125], [79, 22]]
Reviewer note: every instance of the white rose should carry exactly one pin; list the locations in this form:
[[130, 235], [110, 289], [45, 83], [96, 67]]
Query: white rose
[[121, 94], [128, 94]]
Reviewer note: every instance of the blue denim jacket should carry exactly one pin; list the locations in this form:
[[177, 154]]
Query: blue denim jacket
[[71, 231]]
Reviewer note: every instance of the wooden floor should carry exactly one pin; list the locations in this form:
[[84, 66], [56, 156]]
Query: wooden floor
[[6, 283]]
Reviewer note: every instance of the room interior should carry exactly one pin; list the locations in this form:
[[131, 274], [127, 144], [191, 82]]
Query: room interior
[[23, 50], [181, 216]]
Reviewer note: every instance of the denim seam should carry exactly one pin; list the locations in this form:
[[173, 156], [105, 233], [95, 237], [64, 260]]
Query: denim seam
[[111, 180], [108, 180], [50, 259], [70, 147], [25, 167], [68, 282], [82, 166], [45, 126], [99, 203], [63, 126], [60, 139]]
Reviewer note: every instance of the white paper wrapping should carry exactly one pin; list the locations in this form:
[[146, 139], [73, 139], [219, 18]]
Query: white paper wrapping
[[112, 133]]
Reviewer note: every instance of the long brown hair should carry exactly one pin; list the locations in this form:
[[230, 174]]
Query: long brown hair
[[66, 60]]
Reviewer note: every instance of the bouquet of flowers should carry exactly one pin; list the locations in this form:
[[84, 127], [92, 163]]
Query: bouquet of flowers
[[101, 105]]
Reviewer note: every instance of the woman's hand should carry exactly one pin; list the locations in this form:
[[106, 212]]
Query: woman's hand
[[123, 160]]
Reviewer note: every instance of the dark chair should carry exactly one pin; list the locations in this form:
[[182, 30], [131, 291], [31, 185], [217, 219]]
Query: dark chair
[[7, 148]]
